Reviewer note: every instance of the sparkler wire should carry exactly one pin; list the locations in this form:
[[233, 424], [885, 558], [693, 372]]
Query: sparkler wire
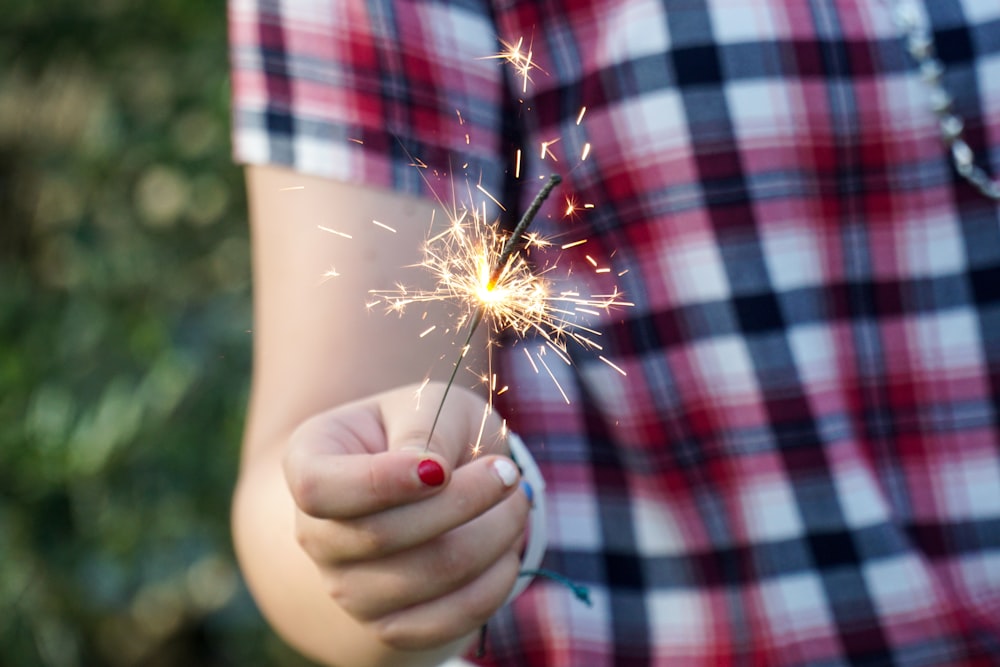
[[512, 245]]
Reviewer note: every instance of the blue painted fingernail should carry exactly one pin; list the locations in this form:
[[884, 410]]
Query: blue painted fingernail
[[528, 491]]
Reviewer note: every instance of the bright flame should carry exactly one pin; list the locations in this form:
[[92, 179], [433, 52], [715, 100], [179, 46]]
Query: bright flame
[[515, 297]]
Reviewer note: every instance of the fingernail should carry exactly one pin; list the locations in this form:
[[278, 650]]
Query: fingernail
[[506, 471], [430, 472], [528, 491]]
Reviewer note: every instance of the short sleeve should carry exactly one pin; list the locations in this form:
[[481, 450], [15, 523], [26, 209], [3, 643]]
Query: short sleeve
[[387, 93]]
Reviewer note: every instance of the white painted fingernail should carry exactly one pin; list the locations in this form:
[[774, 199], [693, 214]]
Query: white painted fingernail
[[506, 471]]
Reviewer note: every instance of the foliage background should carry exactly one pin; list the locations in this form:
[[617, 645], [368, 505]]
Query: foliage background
[[124, 339]]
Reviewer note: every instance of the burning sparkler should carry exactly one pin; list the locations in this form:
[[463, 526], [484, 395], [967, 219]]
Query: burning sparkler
[[487, 272], [490, 276], [499, 279]]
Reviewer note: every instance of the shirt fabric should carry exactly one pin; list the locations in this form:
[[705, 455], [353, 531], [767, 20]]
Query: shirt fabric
[[801, 465]]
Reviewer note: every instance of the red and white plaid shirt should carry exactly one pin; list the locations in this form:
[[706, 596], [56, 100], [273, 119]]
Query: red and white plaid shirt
[[802, 464]]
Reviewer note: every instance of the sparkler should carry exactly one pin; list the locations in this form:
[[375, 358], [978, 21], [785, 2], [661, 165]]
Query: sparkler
[[488, 273], [500, 270]]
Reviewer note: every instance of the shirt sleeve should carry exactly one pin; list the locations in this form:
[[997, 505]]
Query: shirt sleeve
[[399, 94]]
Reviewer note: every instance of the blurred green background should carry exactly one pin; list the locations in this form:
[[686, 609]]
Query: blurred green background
[[124, 339]]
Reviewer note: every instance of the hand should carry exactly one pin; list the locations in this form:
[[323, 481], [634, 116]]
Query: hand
[[419, 546]]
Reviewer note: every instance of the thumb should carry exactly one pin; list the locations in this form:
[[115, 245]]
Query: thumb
[[339, 466]]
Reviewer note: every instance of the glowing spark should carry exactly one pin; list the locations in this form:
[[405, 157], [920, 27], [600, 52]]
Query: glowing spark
[[520, 60], [546, 151], [530, 360], [334, 231], [533, 240], [293, 187], [479, 186], [477, 447], [579, 118], [615, 297], [428, 330], [563, 357], [610, 363], [357, 141], [383, 226], [570, 207], [419, 392], [330, 273], [573, 244], [517, 164], [554, 380], [586, 151]]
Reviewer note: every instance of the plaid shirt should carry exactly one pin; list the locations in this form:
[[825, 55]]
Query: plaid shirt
[[802, 464]]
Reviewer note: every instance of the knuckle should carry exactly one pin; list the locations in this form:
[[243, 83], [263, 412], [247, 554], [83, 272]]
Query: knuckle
[[336, 588], [339, 589], [332, 543], [303, 536], [350, 588], [369, 541], [307, 538], [393, 635], [304, 490], [358, 541], [400, 635]]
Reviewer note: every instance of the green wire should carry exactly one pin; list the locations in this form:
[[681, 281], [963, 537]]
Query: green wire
[[581, 592]]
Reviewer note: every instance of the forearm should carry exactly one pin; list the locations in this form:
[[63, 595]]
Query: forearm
[[316, 347], [286, 584]]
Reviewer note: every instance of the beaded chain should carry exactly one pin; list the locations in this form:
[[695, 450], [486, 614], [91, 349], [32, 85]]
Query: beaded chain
[[920, 44]]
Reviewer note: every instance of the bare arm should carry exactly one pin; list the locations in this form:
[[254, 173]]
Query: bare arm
[[326, 524]]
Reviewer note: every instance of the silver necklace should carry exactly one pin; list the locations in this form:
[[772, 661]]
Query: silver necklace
[[920, 44]]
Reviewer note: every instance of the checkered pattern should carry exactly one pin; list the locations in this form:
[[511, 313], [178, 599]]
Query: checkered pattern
[[802, 464]]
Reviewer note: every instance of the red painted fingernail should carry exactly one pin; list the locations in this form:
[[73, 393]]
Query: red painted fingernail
[[430, 472]]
